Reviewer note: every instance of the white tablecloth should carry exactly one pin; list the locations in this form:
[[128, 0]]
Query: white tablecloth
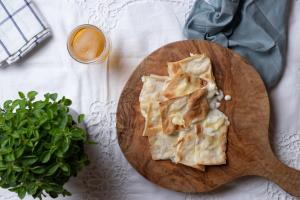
[[136, 28]]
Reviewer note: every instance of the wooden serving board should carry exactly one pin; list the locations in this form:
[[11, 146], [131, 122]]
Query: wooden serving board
[[248, 149]]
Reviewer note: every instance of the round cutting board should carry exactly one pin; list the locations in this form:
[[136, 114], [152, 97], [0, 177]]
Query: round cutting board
[[248, 147]]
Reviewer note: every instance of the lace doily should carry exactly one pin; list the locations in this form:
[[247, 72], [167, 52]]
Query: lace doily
[[104, 13], [287, 147], [105, 177]]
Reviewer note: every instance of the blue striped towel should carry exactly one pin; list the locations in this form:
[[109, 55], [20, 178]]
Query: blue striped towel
[[21, 29]]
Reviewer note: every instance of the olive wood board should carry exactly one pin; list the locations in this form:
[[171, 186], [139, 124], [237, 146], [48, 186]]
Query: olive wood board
[[248, 147]]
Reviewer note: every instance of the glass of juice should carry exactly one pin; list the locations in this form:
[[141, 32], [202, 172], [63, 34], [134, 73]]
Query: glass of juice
[[88, 44]]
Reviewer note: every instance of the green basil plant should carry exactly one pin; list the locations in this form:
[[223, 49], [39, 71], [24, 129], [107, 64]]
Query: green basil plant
[[41, 146]]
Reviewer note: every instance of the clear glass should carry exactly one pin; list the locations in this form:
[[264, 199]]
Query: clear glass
[[104, 54]]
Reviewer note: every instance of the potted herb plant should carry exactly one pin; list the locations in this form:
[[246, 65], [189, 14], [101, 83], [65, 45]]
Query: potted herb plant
[[41, 145]]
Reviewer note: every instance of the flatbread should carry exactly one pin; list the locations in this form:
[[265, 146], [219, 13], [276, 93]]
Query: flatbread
[[153, 86], [162, 146], [204, 143], [196, 65], [152, 116], [179, 113], [149, 97], [185, 148], [182, 84], [179, 122], [211, 145]]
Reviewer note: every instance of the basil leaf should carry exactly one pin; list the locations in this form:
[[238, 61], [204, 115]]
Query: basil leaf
[[21, 192], [17, 168], [10, 157], [31, 95], [45, 157], [63, 122], [38, 170], [80, 118], [68, 102], [65, 167], [22, 95], [52, 169], [20, 151], [78, 134], [32, 188], [53, 96], [29, 160], [39, 105], [7, 104]]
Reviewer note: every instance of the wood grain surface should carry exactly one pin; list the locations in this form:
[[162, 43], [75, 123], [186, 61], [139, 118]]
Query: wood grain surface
[[248, 148]]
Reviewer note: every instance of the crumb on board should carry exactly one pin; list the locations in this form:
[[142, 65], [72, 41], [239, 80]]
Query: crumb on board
[[227, 97]]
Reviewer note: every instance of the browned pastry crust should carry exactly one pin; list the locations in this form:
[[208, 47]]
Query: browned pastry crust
[[191, 108]]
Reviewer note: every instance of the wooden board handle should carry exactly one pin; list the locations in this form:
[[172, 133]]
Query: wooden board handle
[[286, 177]]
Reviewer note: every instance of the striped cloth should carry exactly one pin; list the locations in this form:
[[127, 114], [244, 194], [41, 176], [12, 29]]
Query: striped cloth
[[21, 29]]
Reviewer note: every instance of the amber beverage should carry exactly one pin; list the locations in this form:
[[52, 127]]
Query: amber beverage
[[88, 44]]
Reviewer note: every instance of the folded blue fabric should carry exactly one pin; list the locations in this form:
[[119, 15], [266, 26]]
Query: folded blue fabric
[[254, 28]]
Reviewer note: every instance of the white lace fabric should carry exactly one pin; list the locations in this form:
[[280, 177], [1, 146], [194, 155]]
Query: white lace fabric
[[136, 28]]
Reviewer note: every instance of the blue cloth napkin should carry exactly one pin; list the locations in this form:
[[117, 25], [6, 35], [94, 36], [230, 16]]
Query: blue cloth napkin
[[254, 28], [21, 29]]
